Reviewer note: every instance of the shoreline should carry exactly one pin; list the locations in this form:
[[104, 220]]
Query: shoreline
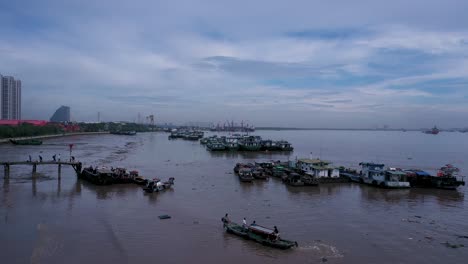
[[7, 140]]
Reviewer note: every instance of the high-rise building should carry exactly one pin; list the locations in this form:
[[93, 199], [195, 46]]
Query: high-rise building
[[10, 98], [62, 114]]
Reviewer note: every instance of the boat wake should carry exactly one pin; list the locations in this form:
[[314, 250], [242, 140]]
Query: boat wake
[[322, 250]]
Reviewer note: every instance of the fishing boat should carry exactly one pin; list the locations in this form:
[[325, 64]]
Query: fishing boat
[[136, 178], [156, 185], [26, 142], [446, 178], [250, 143], [98, 176], [433, 131], [293, 179], [284, 145], [125, 133], [245, 175], [259, 173], [375, 174], [216, 146], [260, 234]]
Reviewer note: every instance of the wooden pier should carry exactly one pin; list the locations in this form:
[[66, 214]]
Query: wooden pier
[[77, 166]]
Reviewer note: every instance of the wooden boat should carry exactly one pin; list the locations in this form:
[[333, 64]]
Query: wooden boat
[[137, 178], [26, 142], [259, 173], [445, 179], [216, 146], [259, 234], [98, 176], [294, 179], [125, 133], [245, 175], [156, 185], [120, 175]]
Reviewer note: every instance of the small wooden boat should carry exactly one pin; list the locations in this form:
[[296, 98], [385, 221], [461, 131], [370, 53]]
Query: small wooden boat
[[260, 234], [293, 179], [98, 176], [26, 142], [156, 185], [245, 175], [125, 133]]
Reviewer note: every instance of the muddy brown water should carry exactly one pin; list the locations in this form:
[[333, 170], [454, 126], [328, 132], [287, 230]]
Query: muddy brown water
[[44, 220]]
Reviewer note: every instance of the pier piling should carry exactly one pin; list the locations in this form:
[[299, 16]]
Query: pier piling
[[77, 166]]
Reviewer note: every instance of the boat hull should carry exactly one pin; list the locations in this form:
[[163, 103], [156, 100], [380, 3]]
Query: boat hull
[[240, 231]]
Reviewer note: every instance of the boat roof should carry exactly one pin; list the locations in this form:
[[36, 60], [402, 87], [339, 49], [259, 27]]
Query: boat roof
[[314, 161], [398, 173], [323, 167], [261, 229], [372, 164], [419, 172]]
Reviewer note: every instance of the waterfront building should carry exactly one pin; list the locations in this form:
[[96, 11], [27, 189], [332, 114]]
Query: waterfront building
[[62, 114], [318, 168], [10, 98]]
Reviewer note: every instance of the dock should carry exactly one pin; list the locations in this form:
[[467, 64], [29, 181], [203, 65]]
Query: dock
[[77, 166]]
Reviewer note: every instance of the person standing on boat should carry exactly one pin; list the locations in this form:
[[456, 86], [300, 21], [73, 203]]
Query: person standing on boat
[[225, 219], [276, 232], [253, 223]]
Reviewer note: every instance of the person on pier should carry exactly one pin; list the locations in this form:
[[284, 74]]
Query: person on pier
[[30, 159], [59, 157], [54, 157], [40, 158]]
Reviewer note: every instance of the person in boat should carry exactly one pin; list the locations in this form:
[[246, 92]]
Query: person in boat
[[244, 223], [276, 233], [225, 219], [253, 223]]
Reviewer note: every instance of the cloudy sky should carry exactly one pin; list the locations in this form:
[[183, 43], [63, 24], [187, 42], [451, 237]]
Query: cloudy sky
[[360, 63]]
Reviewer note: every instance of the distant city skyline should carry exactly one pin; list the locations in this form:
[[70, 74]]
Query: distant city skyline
[[306, 63], [10, 98]]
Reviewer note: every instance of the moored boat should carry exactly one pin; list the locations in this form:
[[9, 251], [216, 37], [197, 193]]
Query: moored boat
[[216, 146], [245, 175], [124, 132], [446, 178], [26, 142], [293, 179], [98, 176], [156, 185], [433, 131]]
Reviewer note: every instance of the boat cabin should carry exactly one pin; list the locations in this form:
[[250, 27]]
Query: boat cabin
[[263, 232], [318, 168], [372, 171], [396, 179]]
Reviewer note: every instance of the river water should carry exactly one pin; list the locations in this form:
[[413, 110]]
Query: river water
[[46, 220]]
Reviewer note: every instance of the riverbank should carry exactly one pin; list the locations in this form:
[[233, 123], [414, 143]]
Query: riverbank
[[7, 140]]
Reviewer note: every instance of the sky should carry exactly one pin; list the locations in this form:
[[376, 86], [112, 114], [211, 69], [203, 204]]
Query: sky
[[303, 63]]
